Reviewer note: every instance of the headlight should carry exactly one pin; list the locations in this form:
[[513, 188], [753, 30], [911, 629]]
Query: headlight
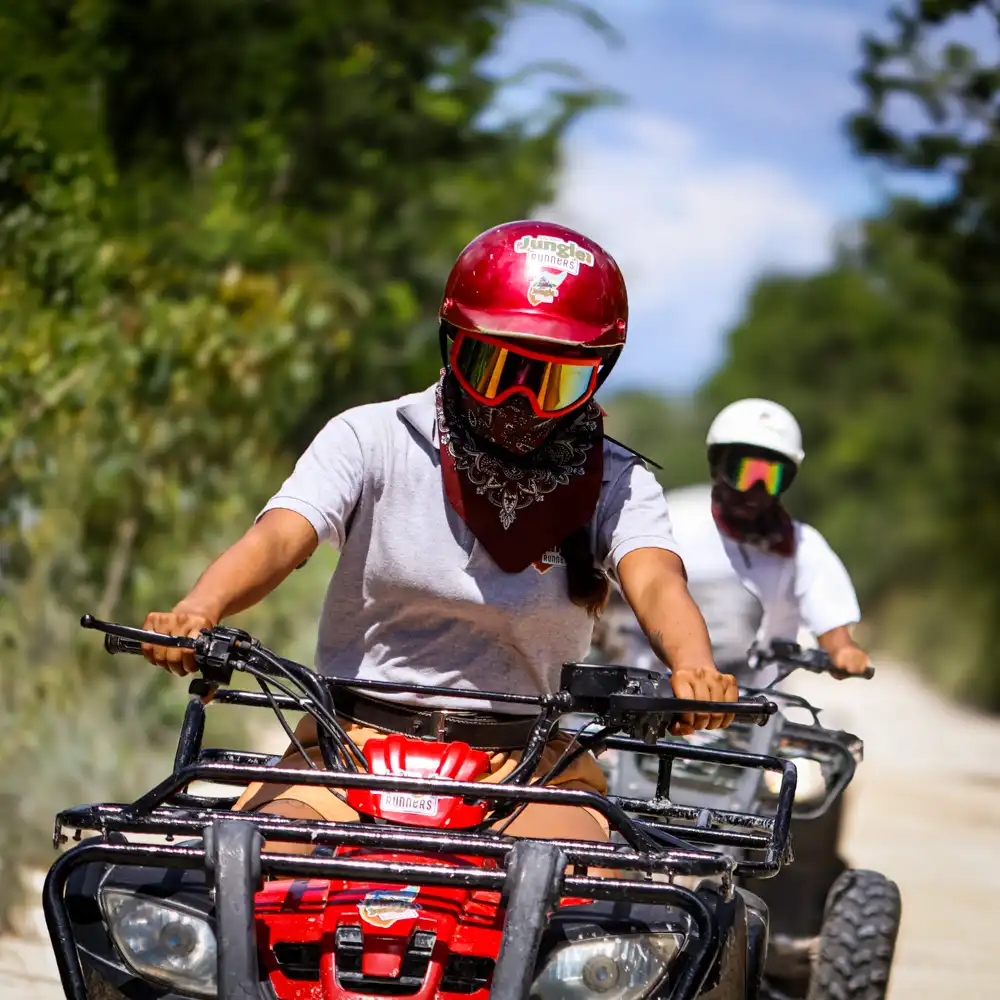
[[162, 942], [609, 968], [811, 784]]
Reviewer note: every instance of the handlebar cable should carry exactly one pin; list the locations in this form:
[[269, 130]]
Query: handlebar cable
[[306, 705], [319, 711], [567, 757]]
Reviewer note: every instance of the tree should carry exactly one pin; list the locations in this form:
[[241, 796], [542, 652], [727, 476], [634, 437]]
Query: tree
[[955, 89], [220, 223], [671, 432]]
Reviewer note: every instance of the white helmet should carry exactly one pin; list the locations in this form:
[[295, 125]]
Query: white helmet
[[760, 423]]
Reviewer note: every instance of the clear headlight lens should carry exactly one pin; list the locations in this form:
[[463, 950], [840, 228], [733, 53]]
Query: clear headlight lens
[[609, 968], [811, 784], [163, 942]]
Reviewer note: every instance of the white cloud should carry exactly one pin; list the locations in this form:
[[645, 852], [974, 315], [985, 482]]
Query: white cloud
[[691, 232]]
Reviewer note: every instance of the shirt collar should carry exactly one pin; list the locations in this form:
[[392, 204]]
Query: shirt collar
[[419, 410]]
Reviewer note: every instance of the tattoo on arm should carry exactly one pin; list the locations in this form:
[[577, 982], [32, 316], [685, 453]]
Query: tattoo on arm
[[656, 642]]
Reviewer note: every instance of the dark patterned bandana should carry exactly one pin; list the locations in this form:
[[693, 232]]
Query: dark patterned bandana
[[521, 483]]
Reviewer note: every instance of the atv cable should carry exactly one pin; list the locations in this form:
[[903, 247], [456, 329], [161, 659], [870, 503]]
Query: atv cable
[[317, 710], [567, 757], [306, 705], [265, 681], [280, 715]]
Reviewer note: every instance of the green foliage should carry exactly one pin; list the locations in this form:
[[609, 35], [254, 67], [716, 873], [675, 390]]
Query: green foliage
[[863, 355], [671, 432], [956, 88], [220, 224]]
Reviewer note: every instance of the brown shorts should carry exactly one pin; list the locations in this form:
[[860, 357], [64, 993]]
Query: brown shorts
[[583, 774]]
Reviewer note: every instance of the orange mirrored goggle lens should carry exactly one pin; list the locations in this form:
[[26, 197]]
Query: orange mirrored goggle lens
[[491, 370]]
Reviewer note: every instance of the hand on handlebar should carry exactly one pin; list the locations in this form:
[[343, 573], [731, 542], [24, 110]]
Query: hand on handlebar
[[703, 684], [850, 659], [177, 622]]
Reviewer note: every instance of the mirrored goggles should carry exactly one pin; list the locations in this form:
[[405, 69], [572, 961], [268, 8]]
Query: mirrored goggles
[[743, 472], [491, 370]]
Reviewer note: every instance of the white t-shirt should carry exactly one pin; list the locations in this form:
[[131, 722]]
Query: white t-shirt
[[415, 598], [810, 590]]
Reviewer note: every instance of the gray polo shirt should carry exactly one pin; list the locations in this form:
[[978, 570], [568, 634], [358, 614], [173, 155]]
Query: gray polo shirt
[[415, 598]]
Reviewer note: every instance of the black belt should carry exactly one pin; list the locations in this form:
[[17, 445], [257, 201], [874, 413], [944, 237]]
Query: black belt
[[479, 730]]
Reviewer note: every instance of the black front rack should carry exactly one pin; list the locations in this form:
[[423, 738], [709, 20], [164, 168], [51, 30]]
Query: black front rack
[[670, 839]]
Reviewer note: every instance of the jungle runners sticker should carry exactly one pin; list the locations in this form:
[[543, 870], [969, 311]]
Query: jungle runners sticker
[[544, 287], [554, 253], [550, 261], [403, 802], [383, 907]]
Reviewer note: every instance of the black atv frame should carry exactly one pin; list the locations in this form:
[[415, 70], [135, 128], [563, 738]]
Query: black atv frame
[[726, 926], [797, 900]]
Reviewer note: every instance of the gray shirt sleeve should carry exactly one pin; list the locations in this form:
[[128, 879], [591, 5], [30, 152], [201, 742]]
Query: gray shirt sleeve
[[632, 515], [325, 485]]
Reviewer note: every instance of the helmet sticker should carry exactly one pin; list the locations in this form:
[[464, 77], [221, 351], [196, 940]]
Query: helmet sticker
[[544, 287], [554, 253]]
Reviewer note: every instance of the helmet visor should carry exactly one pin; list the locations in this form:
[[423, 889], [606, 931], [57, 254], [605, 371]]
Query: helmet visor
[[491, 370], [743, 472]]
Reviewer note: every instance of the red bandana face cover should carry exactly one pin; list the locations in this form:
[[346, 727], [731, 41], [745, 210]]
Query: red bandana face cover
[[525, 500]]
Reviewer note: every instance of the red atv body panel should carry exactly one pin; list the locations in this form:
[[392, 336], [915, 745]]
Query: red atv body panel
[[385, 934], [417, 759]]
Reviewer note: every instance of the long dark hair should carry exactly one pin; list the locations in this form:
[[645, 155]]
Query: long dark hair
[[588, 585]]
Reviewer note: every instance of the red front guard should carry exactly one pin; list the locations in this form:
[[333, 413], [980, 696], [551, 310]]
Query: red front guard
[[378, 937]]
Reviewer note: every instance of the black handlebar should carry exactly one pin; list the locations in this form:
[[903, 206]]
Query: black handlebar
[[615, 691], [817, 661]]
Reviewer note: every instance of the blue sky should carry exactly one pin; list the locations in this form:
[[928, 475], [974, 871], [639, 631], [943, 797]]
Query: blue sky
[[728, 157]]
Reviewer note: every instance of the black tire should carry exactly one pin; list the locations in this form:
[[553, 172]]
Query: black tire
[[858, 938]]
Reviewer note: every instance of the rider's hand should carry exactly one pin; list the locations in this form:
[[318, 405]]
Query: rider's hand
[[851, 659], [180, 621], [702, 684]]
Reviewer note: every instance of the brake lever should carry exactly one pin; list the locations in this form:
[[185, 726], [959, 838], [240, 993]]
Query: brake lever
[[139, 635]]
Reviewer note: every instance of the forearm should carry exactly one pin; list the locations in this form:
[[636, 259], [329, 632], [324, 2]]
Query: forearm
[[845, 654], [837, 639], [655, 585], [658, 594], [675, 627], [249, 570]]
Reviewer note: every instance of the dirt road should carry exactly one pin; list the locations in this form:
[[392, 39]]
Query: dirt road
[[930, 822]]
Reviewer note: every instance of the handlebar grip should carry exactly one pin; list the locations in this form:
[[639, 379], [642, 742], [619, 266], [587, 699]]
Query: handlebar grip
[[762, 716], [116, 644], [843, 675]]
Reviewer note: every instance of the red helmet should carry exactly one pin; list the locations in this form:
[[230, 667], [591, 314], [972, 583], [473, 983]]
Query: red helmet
[[538, 280]]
